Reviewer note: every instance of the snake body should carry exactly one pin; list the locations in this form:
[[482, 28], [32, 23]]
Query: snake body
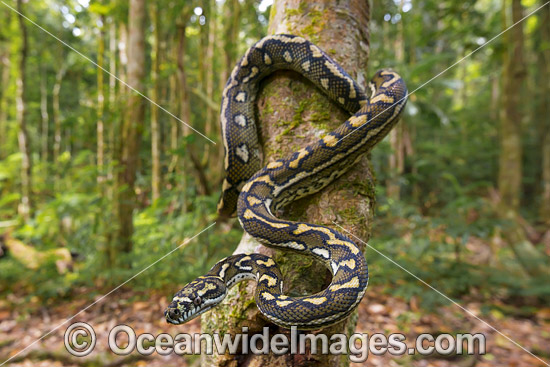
[[255, 193]]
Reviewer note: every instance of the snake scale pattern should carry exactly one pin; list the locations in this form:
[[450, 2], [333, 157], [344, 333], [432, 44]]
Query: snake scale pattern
[[255, 193]]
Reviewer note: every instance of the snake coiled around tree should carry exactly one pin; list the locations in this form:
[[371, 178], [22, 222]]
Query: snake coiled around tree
[[255, 193]]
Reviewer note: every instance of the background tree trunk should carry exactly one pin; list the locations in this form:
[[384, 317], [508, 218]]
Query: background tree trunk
[[100, 107], [210, 122], [174, 124], [155, 93], [133, 124], [110, 249], [4, 80], [184, 108], [185, 115], [232, 19], [122, 92], [544, 115], [396, 159], [113, 89], [231, 33], [44, 135], [341, 30], [23, 136], [56, 115], [510, 160]]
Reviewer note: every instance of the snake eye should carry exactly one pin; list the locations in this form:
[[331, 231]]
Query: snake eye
[[197, 301]]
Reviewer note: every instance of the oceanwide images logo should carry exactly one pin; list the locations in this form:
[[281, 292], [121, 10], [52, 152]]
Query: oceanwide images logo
[[80, 340]]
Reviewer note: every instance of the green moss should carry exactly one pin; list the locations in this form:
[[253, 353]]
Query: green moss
[[212, 324], [315, 20], [268, 109], [239, 312], [291, 125], [272, 13], [292, 12], [298, 112], [321, 116], [277, 152], [349, 215], [297, 12], [316, 24]]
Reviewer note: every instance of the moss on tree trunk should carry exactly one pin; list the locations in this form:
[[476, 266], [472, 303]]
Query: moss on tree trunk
[[293, 113]]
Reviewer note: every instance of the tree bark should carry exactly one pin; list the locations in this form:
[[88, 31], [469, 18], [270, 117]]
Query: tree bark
[[231, 32], [210, 123], [174, 124], [341, 29], [185, 115], [510, 165], [113, 154], [56, 113], [544, 115], [122, 92], [155, 93], [133, 124], [23, 136], [185, 107], [495, 98], [4, 80], [112, 62], [113, 96], [101, 107], [232, 19], [396, 160], [44, 136]]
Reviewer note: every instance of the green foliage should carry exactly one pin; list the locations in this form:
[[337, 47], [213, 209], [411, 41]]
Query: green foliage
[[74, 219], [412, 251]]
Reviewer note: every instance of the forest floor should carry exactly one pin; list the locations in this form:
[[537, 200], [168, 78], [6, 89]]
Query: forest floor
[[23, 324]]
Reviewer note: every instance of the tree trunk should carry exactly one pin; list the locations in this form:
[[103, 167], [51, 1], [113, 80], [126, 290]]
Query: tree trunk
[[100, 108], [203, 41], [4, 80], [232, 20], [183, 102], [341, 29], [495, 97], [44, 136], [545, 114], [396, 162], [185, 115], [510, 165], [155, 93], [174, 124], [231, 32], [112, 63], [122, 92], [133, 124], [23, 137], [113, 89], [396, 159], [210, 122], [110, 218], [56, 113]]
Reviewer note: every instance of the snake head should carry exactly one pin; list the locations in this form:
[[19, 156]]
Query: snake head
[[195, 298]]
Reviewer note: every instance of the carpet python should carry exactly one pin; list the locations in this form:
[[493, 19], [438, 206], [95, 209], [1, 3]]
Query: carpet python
[[255, 193]]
